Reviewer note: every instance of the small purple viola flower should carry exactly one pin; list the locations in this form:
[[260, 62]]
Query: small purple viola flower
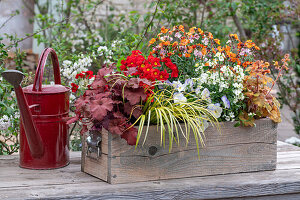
[[168, 82], [197, 91], [226, 101], [205, 94], [189, 82]]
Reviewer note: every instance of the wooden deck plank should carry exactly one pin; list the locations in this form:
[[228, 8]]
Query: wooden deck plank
[[71, 183]]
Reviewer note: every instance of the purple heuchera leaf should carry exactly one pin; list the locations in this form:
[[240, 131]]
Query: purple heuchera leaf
[[133, 83], [130, 136], [100, 107], [104, 106], [136, 112], [135, 96]]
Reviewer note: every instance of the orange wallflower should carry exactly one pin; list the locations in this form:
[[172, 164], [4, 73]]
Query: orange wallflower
[[204, 51], [240, 45], [175, 44], [192, 30], [206, 64], [227, 48], [249, 44], [210, 35], [200, 31], [187, 55], [234, 36], [167, 43], [220, 49], [152, 41], [164, 30], [184, 42], [170, 53], [181, 28], [217, 41], [191, 48]]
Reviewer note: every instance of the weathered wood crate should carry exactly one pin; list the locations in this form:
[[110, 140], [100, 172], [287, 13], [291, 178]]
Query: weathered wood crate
[[234, 150]]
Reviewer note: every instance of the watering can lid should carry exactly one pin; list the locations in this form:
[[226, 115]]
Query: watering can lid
[[47, 89]]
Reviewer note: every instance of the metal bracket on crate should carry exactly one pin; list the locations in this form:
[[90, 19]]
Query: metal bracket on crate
[[93, 142]]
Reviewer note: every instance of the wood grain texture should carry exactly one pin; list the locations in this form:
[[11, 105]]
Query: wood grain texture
[[233, 150], [70, 183]]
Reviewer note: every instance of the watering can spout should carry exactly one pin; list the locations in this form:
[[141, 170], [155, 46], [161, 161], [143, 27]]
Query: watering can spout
[[34, 139]]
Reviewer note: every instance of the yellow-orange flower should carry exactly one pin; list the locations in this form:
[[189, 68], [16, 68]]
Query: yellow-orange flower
[[210, 35], [234, 36], [220, 49], [175, 44], [184, 42], [200, 31], [187, 55], [240, 45], [167, 43], [217, 41], [163, 30], [181, 28], [227, 49], [203, 51], [152, 41], [192, 30]]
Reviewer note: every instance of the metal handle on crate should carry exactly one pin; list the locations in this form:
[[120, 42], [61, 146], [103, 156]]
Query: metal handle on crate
[[93, 142]]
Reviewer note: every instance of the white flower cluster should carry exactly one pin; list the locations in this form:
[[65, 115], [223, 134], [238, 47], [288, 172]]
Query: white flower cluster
[[4, 122], [215, 109], [79, 37], [224, 79], [69, 70], [106, 53]]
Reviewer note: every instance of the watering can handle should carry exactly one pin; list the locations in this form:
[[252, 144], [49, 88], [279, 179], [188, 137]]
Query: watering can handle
[[37, 86]]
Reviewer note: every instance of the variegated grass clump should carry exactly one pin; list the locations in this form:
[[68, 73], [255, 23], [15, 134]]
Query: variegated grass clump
[[168, 116]]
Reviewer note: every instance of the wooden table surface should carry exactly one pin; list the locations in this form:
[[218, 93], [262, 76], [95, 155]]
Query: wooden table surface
[[70, 183]]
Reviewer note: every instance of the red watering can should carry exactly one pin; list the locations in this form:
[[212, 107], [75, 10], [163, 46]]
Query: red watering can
[[44, 133]]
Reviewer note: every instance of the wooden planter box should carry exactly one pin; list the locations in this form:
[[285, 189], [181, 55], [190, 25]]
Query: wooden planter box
[[235, 150]]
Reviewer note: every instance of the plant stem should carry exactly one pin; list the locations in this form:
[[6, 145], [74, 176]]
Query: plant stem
[[8, 20], [146, 30], [202, 16], [84, 20], [73, 127], [275, 81], [33, 34], [237, 23]]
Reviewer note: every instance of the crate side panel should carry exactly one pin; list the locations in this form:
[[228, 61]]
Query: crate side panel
[[235, 150]]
